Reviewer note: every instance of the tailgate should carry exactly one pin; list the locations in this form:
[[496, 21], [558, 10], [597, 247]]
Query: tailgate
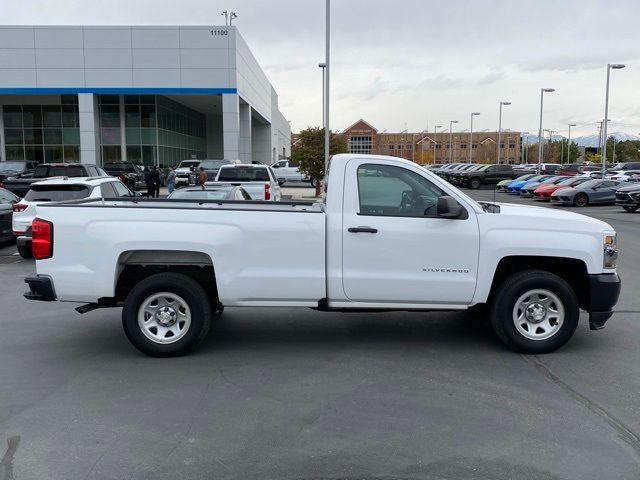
[[254, 189]]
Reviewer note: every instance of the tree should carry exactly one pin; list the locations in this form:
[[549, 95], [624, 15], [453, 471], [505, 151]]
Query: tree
[[308, 152]]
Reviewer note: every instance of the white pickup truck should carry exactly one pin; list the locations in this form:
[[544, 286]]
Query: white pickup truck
[[258, 180], [391, 236]]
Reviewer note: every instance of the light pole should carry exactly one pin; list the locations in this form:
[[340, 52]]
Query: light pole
[[540, 146], [322, 66], [471, 136], [615, 66], [522, 146], [451, 140], [402, 143], [500, 129], [569, 143], [327, 56], [435, 130]]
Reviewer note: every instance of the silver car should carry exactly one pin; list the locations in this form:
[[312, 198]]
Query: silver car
[[588, 193]]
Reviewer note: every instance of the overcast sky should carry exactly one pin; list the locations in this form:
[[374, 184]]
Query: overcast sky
[[415, 62]]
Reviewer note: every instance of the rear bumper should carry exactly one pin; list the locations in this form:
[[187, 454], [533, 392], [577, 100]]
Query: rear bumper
[[604, 290], [24, 242], [40, 288]]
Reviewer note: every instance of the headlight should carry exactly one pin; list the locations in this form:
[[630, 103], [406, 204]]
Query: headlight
[[610, 252]]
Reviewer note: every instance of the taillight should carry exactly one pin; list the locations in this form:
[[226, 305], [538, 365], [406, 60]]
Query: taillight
[[123, 179], [19, 207], [41, 239], [267, 191], [1, 185]]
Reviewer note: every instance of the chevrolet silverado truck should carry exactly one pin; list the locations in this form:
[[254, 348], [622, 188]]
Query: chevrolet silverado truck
[[390, 236]]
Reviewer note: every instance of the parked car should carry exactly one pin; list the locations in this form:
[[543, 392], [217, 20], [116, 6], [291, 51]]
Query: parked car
[[7, 201], [515, 187], [569, 169], [486, 175], [621, 166], [363, 250], [456, 175], [444, 168], [16, 169], [447, 174], [211, 167], [20, 186], [129, 173], [258, 180], [222, 192], [527, 190], [545, 190], [504, 184], [628, 197], [59, 190], [290, 172], [186, 173], [588, 193], [626, 176]]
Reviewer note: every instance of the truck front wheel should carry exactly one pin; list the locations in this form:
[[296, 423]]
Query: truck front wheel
[[535, 312], [166, 314]]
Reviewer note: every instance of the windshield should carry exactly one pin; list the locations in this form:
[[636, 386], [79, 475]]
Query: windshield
[[213, 164], [189, 163], [56, 193], [243, 174], [120, 167], [591, 183], [201, 194], [12, 166]]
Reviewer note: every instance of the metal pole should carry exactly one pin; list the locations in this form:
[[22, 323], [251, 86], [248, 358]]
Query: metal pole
[[327, 55], [451, 122], [604, 124], [561, 150], [471, 139], [540, 146], [499, 132], [569, 146], [322, 66], [435, 131]]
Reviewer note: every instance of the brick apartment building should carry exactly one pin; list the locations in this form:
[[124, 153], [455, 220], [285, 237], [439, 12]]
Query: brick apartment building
[[362, 137]]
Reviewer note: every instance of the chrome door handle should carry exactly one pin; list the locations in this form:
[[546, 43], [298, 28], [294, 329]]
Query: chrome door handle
[[362, 230]]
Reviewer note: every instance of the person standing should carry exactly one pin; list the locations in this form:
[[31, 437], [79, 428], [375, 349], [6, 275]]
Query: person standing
[[148, 181], [171, 180], [202, 177], [156, 181]]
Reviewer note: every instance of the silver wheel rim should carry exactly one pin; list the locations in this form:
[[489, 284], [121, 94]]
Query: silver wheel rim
[[538, 314], [164, 318]]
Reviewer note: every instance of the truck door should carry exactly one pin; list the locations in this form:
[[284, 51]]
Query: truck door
[[395, 248]]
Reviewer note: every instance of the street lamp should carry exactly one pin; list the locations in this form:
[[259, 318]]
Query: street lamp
[[523, 142], [540, 146], [615, 66], [327, 55], [569, 144], [500, 128], [435, 130], [322, 66], [451, 140], [471, 136]]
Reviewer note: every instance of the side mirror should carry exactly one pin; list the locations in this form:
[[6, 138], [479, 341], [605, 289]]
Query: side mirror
[[448, 207], [281, 181]]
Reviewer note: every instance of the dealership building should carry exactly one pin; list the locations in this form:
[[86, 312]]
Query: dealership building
[[147, 94]]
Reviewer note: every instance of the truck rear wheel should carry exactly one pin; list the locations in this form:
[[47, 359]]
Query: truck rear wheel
[[535, 312], [166, 314]]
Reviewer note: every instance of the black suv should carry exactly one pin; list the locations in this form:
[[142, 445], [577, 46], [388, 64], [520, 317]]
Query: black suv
[[486, 175], [629, 197], [20, 186], [129, 173]]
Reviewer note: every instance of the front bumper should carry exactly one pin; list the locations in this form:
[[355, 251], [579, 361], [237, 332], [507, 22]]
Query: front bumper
[[40, 288], [604, 290]]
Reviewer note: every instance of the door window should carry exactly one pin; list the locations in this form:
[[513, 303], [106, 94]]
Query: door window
[[385, 190], [106, 190], [121, 190]]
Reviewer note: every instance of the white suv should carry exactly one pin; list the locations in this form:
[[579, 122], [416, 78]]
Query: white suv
[[59, 189]]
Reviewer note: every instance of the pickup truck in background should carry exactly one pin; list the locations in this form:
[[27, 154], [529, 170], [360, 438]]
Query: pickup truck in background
[[391, 236], [258, 180], [290, 172], [186, 173], [16, 169], [129, 173], [20, 186]]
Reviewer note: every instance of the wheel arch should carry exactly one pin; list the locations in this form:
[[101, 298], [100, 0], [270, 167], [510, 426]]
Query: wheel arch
[[572, 270], [136, 265]]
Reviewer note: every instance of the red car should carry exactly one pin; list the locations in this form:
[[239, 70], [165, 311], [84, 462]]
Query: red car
[[543, 192]]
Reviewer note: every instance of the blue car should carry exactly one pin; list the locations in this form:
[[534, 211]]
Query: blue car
[[515, 187]]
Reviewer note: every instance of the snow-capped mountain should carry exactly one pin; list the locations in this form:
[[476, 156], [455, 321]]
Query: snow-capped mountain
[[593, 140], [585, 140]]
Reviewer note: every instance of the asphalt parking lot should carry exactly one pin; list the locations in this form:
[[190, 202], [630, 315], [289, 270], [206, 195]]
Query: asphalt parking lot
[[298, 394]]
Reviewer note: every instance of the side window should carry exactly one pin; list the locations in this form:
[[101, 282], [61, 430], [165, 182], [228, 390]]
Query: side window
[[387, 190], [491, 169], [121, 190], [280, 164], [107, 191], [6, 197]]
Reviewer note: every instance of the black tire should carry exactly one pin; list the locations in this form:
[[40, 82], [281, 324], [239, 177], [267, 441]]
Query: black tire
[[194, 296], [581, 200], [25, 252], [630, 209], [314, 182], [504, 302], [474, 183]]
